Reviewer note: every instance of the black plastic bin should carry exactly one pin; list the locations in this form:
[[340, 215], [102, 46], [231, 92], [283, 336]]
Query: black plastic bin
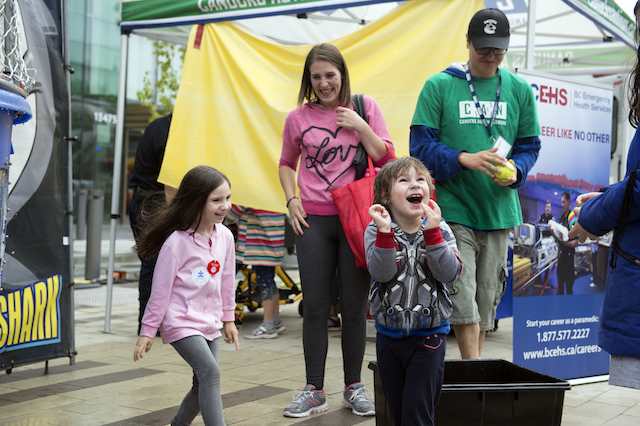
[[491, 392]]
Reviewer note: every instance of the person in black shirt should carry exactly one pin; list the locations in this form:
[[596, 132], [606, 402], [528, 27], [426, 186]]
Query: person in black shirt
[[147, 194], [566, 250], [546, 216]]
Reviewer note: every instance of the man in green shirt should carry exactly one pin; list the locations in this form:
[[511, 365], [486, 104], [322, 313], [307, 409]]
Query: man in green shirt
[[469, 120]]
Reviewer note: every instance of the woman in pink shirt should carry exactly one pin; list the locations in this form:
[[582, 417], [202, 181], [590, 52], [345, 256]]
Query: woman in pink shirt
[[322, 136], [193, 291]]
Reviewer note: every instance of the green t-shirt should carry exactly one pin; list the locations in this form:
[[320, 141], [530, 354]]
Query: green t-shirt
[[471, 198]]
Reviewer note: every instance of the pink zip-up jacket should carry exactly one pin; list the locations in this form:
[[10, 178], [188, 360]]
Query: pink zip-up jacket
[[325, 151], [187, 300]]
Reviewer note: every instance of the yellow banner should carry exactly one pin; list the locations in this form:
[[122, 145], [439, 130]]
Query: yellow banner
[[237, 90], [30, 316]]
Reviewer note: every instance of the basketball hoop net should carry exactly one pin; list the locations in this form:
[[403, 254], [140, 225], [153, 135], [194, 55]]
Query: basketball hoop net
[[14, 74]]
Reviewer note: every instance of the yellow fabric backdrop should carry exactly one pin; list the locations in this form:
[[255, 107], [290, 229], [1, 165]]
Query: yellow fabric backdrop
[[237, 90]]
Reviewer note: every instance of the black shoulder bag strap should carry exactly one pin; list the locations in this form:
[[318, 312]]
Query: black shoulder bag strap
[[360, 159], [358, 104], [623, 219]]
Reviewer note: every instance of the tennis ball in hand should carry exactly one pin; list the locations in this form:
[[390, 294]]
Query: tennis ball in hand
[[505, 172]]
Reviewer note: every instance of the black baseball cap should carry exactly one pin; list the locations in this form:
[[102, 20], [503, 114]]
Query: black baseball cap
[[489, 28]]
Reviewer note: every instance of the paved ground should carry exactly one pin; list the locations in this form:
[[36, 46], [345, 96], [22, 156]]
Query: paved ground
[[105, 387]]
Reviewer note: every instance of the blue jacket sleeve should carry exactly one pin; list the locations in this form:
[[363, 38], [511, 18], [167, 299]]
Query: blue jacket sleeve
[[525, 154], [600, 214], [441, 161]]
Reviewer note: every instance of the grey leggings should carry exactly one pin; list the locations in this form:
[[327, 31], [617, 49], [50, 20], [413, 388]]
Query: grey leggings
[[321, 249], [204, 396]]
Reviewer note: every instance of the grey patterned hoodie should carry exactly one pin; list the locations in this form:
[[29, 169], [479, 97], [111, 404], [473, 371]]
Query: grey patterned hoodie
[[407, 290]]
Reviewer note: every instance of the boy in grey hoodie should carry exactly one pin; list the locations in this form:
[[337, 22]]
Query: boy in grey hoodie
[[411, 252]]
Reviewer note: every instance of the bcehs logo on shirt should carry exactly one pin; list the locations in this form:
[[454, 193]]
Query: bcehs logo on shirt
[[200, 275]]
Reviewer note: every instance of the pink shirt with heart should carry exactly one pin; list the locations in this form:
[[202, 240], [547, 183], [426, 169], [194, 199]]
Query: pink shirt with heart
[[325, 152]]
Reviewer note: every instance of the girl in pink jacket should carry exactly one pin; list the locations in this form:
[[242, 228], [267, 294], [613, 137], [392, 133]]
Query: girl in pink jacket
[[193, 292]]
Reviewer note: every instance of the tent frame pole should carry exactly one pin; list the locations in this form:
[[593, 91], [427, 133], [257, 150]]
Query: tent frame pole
[[67, 60], [117, 171], [531, 36]]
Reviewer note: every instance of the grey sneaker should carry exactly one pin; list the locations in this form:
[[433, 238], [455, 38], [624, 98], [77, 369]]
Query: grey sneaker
[[359, 399], [306, 402], [279, 327], [262, 333]]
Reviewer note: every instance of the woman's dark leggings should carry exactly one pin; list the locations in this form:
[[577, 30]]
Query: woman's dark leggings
[[321, 249]]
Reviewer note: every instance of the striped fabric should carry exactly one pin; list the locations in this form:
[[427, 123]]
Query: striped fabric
[[260, 236]]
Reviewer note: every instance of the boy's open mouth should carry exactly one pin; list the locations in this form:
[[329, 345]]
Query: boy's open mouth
[[414, 199]]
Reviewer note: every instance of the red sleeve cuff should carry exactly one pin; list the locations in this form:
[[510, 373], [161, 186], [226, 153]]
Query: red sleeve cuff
[[385, 239], [433, 236]]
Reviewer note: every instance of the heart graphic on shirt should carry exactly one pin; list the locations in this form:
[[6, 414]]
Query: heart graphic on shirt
[[329, 158]]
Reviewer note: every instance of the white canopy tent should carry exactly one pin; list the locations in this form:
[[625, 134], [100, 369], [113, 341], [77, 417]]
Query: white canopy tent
[[599, 29], [569, 37]]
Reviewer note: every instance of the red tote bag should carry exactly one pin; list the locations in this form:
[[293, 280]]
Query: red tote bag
[[353, 201]]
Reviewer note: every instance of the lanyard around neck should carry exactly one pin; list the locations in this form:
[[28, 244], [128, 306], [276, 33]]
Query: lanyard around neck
[[489, 125]]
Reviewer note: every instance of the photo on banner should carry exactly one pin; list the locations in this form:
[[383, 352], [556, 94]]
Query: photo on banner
[[558, 284]]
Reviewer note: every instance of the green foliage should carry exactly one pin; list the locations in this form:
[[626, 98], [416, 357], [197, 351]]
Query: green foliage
[[161, 96]]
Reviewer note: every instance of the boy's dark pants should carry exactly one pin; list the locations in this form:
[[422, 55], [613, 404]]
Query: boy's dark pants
[[411, 371]]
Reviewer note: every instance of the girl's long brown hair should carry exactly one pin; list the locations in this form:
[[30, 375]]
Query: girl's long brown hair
[[183, 212], [634, 119], [634, 84]]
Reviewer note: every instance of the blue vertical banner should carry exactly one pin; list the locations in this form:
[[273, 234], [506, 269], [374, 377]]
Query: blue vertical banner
[[558, 284]]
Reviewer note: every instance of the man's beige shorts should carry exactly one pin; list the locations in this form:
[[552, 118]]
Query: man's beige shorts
[[477, 291]]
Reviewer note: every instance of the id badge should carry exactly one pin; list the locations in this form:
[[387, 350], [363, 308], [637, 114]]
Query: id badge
[[503, 146]]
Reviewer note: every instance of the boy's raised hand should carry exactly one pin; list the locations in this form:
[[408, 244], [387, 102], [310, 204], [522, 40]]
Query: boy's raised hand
[[381, 217], [432, 214]]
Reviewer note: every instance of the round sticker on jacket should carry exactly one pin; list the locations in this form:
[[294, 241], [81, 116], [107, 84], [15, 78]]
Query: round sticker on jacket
[[213, 267], [200, 275]]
